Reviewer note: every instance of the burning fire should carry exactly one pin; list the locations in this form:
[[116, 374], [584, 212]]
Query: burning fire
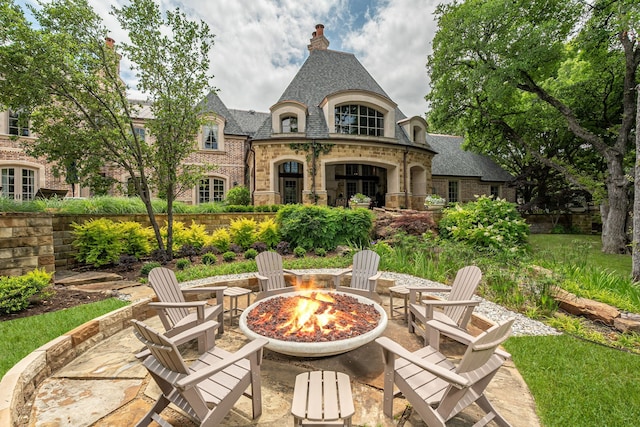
[[313, 316]]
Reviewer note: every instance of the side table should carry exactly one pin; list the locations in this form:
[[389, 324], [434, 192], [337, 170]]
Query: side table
[[233, 293], [400, 310], [322, 398]]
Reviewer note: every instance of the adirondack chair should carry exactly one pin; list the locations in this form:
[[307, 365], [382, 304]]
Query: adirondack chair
[[364, 275], [270, 275], [174, 310], [456, 310], [208, 388], [436, 388]]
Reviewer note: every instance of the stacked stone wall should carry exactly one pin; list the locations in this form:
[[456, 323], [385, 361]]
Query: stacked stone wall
[[26, 243]]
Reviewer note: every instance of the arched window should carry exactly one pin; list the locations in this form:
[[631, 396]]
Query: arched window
[[211, 190], [18, 183], [289, 124], [210, 136], [356, 119]]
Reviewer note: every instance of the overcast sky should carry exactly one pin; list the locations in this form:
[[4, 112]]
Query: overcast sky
[[261, 44]]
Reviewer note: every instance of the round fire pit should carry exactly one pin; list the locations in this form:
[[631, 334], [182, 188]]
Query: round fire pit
[[334, 338]]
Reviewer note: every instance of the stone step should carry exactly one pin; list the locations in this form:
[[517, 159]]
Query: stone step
[[77, 279], [105, 286]]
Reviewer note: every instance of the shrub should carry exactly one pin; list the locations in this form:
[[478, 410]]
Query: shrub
[[310, 226], [260, 246], [238, 196], [415, 224], [221, 239], [98, 241], [229, 256], [188, 251], [320, 252], [267, 232], [486, 223], [147, 267], [136, 238], [250, 254], [356, 226], [299, 252], [126, 262], [209, 258], [210, 249], [283, 248], [243, 232], [194, 235], [182, 263], [17, 292]]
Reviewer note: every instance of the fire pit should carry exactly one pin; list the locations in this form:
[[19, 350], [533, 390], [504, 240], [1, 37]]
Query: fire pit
[[314, 323]]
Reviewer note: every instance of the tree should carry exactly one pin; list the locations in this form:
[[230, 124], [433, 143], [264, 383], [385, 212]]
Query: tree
[[67, 77], [535, 75]]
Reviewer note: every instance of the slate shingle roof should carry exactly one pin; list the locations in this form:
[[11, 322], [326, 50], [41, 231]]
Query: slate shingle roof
[[250, 121], [452, 160], [213, 104], [323, 73]]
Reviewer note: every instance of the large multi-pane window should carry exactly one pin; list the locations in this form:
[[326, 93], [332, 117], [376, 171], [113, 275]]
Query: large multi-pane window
[[15, 127], [18, 183], [359, 120], [211, 190], [495, 190], [139, 131], [210, 136], [454, 193], [289, 124]]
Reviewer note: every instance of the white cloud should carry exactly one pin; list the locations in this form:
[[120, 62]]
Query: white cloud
[[260, 44]]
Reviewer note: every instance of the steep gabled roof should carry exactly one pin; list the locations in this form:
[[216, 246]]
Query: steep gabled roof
[[213, 104], [452, 160], [323, 73], [249, 121]]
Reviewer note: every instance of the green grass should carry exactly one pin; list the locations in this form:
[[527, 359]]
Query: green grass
[[22, 336], [577, 383]]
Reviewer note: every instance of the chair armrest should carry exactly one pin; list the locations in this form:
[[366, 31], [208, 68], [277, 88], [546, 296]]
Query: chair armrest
[[189, 304], [461, 336], [202, 374], [420, 288], [217, 290], [443, 373], [194, 332], [291, 272], [442, 303], [376, 276], [342, 272]]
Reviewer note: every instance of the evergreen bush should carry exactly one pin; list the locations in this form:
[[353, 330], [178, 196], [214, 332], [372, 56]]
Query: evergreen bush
[[243, 232], [16, 292], [238, 196]]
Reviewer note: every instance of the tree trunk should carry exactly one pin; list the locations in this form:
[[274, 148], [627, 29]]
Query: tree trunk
[[615, 213], [635, 258]]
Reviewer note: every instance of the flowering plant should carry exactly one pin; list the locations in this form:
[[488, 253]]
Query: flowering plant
[[434, 199], [360, 198]]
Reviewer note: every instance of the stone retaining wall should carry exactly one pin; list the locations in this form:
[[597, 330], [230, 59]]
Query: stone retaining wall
[[26, 243]]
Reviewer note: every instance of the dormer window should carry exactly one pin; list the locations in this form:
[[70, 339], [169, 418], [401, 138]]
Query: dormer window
[[356, 119], [289, 124], [210, 136]]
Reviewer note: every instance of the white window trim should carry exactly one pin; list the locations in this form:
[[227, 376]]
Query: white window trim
[[196, 189], [368, 99], [214, 120], [284, 109], [39, 172]]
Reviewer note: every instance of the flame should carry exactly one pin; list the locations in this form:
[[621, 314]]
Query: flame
[[313, 312]]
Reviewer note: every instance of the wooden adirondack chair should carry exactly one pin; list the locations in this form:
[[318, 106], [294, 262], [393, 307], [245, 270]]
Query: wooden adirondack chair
[[456, 310], [208, 388], [270, 275], [364, 275], [436, 388], [174, 310]]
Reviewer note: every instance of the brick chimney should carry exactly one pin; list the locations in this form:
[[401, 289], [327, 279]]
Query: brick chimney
[[111, 44], [318, 41]]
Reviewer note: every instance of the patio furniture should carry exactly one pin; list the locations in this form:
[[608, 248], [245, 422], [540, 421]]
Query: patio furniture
[[364, 275], [436, 388], [233, 293], [174, 310], [322, 398], [455, 311], [208, 388], [401, 309], [271, 274]]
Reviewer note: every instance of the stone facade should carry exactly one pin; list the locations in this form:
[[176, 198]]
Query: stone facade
[[26, 243]]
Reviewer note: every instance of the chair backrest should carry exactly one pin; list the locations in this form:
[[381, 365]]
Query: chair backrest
[[166, 286], [463, 287], [365, 265], [270, 266]]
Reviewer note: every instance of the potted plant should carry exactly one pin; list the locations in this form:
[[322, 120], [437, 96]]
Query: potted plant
[[434, 202], [359, 200]]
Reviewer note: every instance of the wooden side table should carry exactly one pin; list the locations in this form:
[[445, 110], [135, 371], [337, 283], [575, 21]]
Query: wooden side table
[[403, 291], [320, 398], [233, 293]]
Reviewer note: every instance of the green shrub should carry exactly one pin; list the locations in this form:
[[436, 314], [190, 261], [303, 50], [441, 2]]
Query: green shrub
[[98, 241], [136, 238], [17, 292], [267, 232], [486, 223], [243, 232], [209, 258], [310, 226], [182, 263], [320, 252], [220, 238], [356, 226], [229, 256], [251, 253], [148, 266], [238, 196], [299, 251], [194, 235]]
